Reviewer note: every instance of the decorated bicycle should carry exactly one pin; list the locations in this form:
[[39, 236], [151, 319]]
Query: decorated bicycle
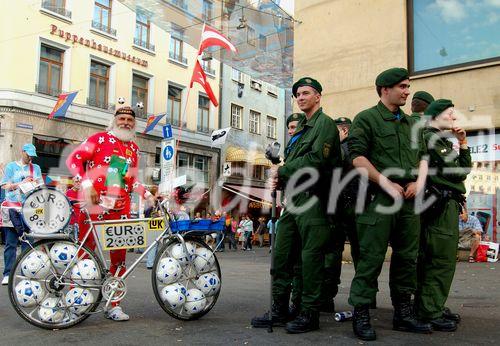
[[60, 281]]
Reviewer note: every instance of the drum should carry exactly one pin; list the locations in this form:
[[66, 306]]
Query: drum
[[46, 211]]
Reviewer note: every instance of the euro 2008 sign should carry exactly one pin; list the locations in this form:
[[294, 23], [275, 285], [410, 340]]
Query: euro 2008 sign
[[123, 235]]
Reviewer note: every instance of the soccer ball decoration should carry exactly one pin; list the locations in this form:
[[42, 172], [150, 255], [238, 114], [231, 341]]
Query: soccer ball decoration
[[62, 254], [29, 293], [208, 284], [78, 300], [181, 255], [204, 260], [139, 105], [195, 301], [36, 265], [174, 295], [121, 100], [52, 310], [84, 271], [168, 270]]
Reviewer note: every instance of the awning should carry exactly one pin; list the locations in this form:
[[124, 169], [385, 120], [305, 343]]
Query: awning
[[237, 154], [255, 194]]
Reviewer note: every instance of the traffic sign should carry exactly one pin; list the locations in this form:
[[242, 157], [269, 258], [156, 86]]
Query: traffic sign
[[167, 131], [168, 152]]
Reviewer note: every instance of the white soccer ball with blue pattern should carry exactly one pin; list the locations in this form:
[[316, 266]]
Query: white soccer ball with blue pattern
[[29, 293], [208, 283], [52, 310], [79, 300], [36, 265], [174, 295], [84, 271], [181, 255], [168, 270], [62, 254], [204, 259], [195, 301]]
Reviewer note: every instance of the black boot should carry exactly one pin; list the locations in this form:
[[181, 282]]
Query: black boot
[[306, 321], [328, 306], [361, 323], [293, 310], [451, 315], [405, 320], [279, 317], [443, 325]]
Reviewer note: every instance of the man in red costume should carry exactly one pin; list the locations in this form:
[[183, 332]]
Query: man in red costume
[[106, 163]]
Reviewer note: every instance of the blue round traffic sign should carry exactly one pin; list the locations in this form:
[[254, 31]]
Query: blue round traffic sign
[[168, 152]]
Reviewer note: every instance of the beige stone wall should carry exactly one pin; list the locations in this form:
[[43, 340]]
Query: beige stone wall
[[346, 43]]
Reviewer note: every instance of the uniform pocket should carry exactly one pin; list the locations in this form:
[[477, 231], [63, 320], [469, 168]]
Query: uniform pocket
[[369, 220]]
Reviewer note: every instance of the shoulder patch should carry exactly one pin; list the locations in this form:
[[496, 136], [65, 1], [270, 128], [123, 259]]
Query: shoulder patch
[[326, 149]]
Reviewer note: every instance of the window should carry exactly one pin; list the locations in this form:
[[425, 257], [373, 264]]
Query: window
[[236, 112], [140, 94], [194, 166], [256, 85], [254, 123], [176, 47], [142, 32], [237, 76], [50, 74], [238, 169], [262, 42], [102, 16], [257, 172], [272, 90], [157, 156], [203, 113], [251, 36], [206, 15], [174, 105], [56, 6], [99, 80], [442, 36], [207, 66], [271, 127]]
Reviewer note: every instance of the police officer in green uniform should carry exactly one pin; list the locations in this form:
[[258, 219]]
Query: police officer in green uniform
[[316, 149], [344, 226], [419, 102], [439, 242], [381, 145]]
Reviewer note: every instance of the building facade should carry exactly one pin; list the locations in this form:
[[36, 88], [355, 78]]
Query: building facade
[[451, 52], [103, 50], [255, 113]]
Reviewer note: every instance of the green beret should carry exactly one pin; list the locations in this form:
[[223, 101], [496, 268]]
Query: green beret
[[424, 96], [306, 81], [343, 121], [437, 107], [391, 77], [294, 117]]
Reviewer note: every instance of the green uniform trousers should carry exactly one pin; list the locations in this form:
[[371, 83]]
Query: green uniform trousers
[[375, 230], [301, 240], [437, 260], [344, 228]]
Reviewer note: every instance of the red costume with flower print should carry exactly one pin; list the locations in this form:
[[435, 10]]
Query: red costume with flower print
[[90, 162]]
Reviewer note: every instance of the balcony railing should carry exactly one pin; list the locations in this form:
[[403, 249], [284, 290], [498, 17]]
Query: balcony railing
[[96, 103], [177, 57], [101, 27], [178, 123], [48, 5], [144, 44], [44, 89], [209, 70], [203, 129]]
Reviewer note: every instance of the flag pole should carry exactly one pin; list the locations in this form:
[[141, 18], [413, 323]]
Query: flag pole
[[185, 106]]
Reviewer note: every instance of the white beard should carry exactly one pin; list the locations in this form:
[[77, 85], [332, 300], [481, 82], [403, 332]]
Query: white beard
[[122, 134]]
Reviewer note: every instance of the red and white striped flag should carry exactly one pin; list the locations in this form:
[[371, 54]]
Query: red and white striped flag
[[200, 77], [211, 37]]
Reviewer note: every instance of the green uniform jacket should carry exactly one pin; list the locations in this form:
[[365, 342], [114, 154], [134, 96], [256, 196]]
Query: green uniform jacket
[[386, 142], [452, 167], [416, 116], [318, 147]]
